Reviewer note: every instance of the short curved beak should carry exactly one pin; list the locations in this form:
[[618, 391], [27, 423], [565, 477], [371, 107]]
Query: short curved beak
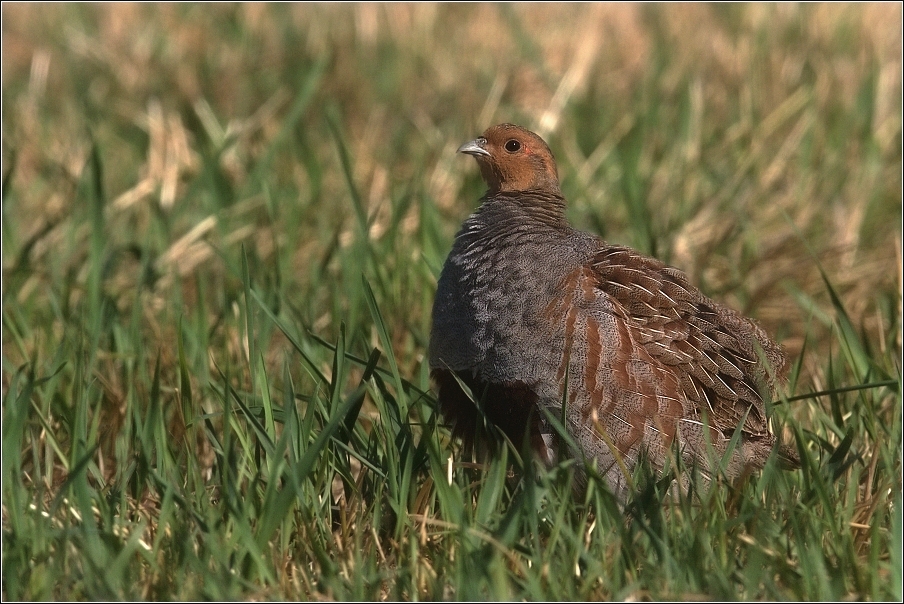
[[476, 147]]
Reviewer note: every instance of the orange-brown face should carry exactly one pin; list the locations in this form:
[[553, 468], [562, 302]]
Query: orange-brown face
[[513, 159]]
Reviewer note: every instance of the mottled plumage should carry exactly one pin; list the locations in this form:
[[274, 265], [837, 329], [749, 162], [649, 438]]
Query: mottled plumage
[[528, 307]]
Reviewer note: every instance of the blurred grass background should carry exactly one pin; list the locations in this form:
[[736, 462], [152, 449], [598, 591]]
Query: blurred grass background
[[222, 227]]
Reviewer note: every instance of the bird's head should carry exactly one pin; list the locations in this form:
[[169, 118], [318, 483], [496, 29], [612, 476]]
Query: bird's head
[[513, 159]]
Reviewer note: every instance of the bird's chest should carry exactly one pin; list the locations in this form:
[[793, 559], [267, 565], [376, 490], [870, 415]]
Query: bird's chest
[[489, 313]]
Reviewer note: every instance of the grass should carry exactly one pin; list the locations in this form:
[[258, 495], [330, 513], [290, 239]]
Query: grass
[[221, 233]]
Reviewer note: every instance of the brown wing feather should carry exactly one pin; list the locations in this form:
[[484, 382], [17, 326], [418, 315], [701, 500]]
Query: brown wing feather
[[650, 359], [715, 351]]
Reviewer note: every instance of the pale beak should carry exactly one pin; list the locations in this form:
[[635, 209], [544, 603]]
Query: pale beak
[[476, 147]]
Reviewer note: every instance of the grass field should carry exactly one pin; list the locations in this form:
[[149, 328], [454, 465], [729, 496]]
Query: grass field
[[222, 228]]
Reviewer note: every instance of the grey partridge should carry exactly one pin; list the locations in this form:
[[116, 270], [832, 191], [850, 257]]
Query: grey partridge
[[531, 313]]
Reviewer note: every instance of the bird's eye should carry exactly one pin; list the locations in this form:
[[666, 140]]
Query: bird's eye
[[512, 146]]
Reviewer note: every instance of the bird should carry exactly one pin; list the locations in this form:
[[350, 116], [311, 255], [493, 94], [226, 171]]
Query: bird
[[535, 319]]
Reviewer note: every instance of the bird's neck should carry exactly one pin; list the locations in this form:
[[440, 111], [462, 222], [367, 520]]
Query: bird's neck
[[538, 208]]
